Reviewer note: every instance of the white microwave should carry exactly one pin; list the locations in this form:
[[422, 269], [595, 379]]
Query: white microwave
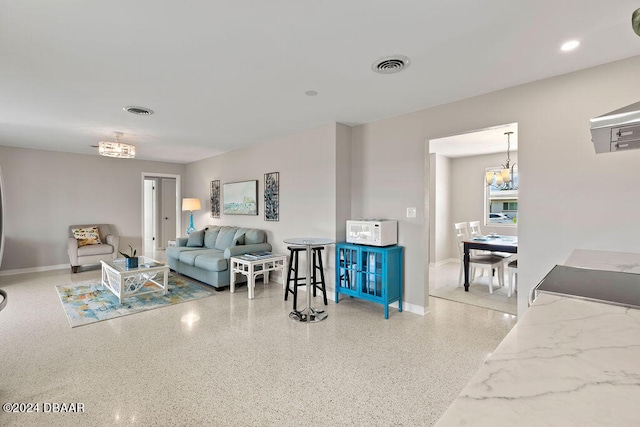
[[372, 232]]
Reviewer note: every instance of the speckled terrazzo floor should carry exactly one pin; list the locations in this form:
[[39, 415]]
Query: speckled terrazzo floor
[[228, 361]]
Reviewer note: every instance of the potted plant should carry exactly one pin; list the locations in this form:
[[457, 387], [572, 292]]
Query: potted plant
[[131, 260]]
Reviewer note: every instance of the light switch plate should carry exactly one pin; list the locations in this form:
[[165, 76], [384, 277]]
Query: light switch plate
[[411, 212]]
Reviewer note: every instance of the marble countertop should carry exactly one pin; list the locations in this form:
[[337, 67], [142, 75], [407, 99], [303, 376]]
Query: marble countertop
[[568, 362]]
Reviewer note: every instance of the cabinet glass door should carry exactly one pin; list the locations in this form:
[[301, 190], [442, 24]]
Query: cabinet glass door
[[372, 273], [348, 268]]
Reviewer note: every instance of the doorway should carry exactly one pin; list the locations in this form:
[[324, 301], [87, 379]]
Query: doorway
[[161, 212], [458, 192]]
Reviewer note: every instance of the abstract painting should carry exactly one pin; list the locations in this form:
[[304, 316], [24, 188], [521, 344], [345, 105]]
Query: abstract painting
[[240, 198], [215, 199], [272, 196]]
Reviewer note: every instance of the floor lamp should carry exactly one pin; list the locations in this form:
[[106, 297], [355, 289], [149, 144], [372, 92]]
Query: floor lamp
[[191, 205]]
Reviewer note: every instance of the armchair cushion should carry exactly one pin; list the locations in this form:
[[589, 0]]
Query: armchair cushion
[[87, 236]]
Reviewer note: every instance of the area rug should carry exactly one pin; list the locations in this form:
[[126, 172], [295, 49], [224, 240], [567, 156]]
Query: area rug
[[89, 302]]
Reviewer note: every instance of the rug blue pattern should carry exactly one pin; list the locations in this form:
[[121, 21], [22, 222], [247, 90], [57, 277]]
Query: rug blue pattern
[[89, 302]]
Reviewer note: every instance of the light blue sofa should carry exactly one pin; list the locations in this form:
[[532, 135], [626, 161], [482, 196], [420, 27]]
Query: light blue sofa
[[205, 254]]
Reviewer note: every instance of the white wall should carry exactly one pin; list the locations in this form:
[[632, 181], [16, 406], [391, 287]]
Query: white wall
[[569, 196], [440, 202], [309, 171], [46, 191]]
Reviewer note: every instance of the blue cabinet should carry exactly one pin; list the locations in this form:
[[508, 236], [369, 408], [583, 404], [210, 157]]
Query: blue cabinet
[[371, 273]]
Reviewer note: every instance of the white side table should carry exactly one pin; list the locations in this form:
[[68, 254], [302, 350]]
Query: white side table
[[251, 268]]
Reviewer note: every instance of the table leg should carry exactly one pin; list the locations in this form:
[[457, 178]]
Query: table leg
[[251, 282], [166, 281], [232, 279], [467, 258]]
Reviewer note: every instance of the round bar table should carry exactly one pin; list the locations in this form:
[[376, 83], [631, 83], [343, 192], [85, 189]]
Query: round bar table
[[308, 314]]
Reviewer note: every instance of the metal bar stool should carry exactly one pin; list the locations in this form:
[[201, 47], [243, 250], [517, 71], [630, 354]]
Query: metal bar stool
[[317, 281]]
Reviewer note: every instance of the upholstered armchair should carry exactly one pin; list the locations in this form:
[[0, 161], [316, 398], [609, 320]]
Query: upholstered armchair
[[88, 247]]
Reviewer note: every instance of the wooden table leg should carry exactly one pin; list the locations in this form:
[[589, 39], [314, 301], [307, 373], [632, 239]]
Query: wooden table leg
[[467, 258]]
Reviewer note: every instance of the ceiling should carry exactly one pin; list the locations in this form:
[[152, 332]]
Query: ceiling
[[475, 143], [223, 75]]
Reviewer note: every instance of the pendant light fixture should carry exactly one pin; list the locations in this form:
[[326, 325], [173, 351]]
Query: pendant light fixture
[[504, 178], [117, 148]]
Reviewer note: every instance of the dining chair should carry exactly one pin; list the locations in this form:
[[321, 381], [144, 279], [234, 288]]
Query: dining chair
[[513, 278], [489, 262], [474, 231]]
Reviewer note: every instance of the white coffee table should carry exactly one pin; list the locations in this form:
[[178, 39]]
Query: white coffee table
[[251, 268], [124, 282]]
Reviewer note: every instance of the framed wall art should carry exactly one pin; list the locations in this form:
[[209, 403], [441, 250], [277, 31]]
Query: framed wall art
[[240, 198], [272, 196], [215, 199]]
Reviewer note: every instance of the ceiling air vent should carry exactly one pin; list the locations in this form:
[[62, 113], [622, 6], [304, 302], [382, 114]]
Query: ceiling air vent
[[390, 64], [140, 111]]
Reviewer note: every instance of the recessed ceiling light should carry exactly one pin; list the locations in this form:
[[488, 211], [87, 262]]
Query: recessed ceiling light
[[311, 93], [390, 64], [570, 45], [140, 111]]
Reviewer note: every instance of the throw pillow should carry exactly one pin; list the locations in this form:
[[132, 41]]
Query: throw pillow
[[87, 236], [196, 239], [238, 240]]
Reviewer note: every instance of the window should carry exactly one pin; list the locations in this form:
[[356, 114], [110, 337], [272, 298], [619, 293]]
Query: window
[[501, 198]]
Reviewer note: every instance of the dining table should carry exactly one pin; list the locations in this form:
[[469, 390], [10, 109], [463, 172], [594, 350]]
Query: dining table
[[491, 243]]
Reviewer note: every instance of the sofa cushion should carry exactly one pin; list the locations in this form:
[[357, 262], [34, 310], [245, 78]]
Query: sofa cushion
[[87, 236], [174, 252], [210, 236], [189, 257], [196, 239], [212, 262], [225, 238], [253, 236]]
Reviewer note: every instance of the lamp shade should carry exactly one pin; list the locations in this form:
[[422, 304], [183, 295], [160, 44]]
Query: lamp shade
[[191, 204], [490, 176]]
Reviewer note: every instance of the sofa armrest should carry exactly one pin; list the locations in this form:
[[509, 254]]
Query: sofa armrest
[[244, 249], [115, 242], [72, 248], [182, 241]]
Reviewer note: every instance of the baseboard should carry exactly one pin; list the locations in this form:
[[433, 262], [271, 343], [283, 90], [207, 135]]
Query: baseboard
[[441, 263], [411, 308], [34, 269]]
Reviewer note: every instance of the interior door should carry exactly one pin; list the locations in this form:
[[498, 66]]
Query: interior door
[[150, 214], [168, 212]]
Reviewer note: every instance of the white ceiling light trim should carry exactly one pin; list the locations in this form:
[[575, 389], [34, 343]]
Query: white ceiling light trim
[[116, 149]]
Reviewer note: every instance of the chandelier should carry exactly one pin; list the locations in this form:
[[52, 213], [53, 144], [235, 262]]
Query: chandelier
[[117, 148], [503, 179]]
